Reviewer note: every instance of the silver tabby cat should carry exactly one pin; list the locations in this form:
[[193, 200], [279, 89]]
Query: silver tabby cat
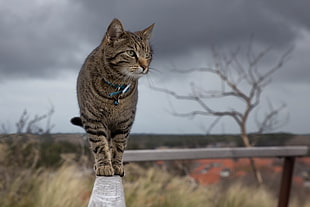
[[107, 93]]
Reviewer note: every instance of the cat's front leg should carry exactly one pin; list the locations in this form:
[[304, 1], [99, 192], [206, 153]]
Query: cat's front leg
[[101, 150], [119, 143]]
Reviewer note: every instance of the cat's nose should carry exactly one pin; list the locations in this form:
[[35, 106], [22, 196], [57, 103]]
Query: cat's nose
[[144, 65], [144, 68]]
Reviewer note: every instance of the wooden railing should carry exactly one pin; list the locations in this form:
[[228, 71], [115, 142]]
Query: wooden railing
[[108, 191]]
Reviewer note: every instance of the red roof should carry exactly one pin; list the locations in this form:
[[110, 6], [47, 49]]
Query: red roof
[[211, 171]]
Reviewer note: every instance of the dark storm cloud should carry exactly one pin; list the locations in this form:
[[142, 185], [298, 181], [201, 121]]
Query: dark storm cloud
[[50, 38], [293, 12], [189, 24], [35, 43]]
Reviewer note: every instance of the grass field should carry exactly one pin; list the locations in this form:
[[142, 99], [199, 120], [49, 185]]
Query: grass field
[[70, 186], [38, 173]]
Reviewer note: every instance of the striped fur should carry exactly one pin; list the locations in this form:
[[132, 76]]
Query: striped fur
[[120, 59]]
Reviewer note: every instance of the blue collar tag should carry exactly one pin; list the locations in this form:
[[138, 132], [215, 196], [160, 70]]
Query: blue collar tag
[[121, 89]]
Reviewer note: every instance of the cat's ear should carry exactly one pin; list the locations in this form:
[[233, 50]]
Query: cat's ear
[[115, 30], [148, 32]]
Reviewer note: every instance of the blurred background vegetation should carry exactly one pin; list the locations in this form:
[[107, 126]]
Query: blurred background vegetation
[[55, 170]]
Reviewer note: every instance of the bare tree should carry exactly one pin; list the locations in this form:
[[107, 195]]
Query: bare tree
[[27, 125], [4, 129], [240, 80]]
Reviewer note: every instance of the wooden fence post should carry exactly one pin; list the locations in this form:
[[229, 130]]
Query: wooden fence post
[[286, 181], [107, 192]]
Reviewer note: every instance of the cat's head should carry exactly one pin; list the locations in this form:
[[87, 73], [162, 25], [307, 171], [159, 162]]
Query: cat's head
[[129, 53]]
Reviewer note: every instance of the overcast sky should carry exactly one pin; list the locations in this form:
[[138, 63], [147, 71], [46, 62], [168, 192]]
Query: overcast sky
[[44, 43]]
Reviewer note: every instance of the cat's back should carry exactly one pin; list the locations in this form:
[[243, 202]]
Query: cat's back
[[89, 88], [89, 67]]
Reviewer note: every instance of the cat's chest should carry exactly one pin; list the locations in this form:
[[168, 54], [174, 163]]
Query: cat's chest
[[111, 115], [119, 105]]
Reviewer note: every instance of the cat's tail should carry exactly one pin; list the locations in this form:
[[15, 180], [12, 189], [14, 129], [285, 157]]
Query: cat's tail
[[76, 121]]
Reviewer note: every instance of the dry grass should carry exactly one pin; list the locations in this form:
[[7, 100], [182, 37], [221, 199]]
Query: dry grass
[[70, 186], [155, 188], [240, 195], [25, 183], [66, 186]]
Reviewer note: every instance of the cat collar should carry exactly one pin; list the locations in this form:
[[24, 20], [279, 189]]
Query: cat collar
[[121, 89]]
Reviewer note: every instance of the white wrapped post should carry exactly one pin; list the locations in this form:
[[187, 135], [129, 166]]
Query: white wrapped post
[[107, 192]]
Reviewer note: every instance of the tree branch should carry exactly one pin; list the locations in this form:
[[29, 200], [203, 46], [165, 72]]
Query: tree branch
[[270, 121], [279, 64], [250, 94], [207, 110]]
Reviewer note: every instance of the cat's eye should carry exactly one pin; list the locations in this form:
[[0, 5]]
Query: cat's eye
[[147, 55], [131, 53]]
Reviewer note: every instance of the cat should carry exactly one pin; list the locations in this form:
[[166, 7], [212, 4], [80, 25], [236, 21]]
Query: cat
[[107, 93]]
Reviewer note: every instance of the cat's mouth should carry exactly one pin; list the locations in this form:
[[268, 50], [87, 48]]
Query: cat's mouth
[[137, 71], [140, 70]]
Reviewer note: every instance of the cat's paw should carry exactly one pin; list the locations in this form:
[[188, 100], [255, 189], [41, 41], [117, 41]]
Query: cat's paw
[[119, 170], [105, 170]]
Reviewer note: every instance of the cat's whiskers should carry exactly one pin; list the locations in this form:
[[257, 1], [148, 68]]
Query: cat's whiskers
[[154, 70], [150, 81], [150, 76]]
